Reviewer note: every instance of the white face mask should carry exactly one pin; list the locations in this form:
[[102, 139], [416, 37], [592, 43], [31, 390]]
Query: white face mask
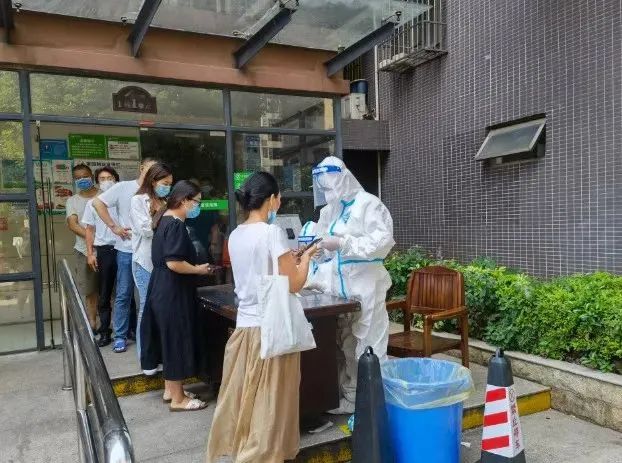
[[105, 185]]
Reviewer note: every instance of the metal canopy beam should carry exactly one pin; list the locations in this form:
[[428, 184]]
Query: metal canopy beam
[[141, 26], [261, 38], [6, 18], [336, 64]]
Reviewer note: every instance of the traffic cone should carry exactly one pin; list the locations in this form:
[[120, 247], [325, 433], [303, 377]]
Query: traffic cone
[[370, 440], [502, 438]]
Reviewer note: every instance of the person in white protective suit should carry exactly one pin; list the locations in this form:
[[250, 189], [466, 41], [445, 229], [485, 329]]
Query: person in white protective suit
[[357, 234]]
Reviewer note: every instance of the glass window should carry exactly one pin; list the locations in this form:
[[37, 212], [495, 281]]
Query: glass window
[[17, 316], [285, 111], [513, 139], [290, 159], [200, 157], [10, 101], [14, 238], [114, 99], [12, 166]]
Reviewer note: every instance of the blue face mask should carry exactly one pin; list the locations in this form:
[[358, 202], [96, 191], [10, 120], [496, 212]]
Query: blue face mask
[[271, 217], [194, 212], [84, 183], [162, 191]]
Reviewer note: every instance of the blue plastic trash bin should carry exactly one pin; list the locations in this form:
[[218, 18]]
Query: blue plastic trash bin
[[424, 401]]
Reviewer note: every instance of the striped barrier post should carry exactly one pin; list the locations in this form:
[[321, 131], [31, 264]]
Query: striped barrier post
[[502, 437]]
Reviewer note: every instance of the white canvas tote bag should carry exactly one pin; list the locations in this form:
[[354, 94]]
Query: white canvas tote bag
[[284, 326]]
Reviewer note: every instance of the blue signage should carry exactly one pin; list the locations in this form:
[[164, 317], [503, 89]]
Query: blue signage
[[53, 149]]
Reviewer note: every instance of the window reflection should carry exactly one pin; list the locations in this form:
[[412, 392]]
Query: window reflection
[[290, 158], [12, 166], [93, 97], [17, 316], [14, 238], [9, 92], [283, 111]]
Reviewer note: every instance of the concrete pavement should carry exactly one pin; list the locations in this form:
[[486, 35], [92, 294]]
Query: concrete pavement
[[38, 424]]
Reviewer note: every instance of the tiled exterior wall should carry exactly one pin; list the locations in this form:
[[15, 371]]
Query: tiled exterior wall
[[510, 59]]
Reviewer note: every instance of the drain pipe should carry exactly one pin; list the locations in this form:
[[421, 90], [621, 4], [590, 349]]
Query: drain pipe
[[376, 91], [377, 115]]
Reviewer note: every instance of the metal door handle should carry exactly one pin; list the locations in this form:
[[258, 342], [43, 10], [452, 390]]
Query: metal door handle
[[53, 238]]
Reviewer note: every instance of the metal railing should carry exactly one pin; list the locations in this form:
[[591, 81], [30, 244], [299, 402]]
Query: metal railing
[[416, 41], [103, 436]]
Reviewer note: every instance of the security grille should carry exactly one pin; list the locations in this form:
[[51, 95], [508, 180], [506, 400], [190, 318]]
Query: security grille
[[417, 41]]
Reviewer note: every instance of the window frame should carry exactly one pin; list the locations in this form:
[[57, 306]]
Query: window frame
[[540, 122]]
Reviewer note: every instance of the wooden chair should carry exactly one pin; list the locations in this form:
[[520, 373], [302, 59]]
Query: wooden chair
[[436, 293]]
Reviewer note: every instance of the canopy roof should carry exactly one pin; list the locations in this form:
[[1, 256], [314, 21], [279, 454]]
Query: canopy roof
[[318, 24], [349, 27]]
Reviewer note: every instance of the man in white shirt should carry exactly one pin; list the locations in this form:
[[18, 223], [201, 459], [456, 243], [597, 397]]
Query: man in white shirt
[[86, 279], [100, 252], [119, 197]]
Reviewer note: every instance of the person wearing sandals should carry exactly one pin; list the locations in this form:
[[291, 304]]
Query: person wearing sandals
[[257, 414], [169, 323]]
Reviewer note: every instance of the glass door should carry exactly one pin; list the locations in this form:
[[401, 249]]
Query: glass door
[[57, 148], [17, 302]]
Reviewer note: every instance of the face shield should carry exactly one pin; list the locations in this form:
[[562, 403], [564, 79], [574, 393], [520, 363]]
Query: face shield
[[320, 184]]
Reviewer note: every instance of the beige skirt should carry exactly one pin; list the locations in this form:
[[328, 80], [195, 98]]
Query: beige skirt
[[257, 414]]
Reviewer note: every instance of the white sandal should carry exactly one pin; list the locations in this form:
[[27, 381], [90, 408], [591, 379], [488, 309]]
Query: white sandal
[[192, 406], [190, 395]]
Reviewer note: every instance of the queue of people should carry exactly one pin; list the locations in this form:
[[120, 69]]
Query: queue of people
[[136, 234]]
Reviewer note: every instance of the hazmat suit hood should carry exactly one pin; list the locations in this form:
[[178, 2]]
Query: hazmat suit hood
[[337, 186]]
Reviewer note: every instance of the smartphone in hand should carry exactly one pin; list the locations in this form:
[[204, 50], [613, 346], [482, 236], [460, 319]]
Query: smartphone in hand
[[309, 246]]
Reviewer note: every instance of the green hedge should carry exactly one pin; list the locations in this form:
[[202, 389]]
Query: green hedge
[[575, 318]]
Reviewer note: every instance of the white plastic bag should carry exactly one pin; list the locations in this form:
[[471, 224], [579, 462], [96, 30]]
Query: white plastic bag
[[284, 326]]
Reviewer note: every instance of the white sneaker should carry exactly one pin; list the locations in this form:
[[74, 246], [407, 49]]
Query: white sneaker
[[150, 372]]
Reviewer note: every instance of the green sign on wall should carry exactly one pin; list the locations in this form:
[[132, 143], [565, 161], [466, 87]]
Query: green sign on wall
[[87, 146], [239, 178], [215, 205]]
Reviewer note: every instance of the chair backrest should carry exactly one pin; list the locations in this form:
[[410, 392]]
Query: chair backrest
[[435, 288]]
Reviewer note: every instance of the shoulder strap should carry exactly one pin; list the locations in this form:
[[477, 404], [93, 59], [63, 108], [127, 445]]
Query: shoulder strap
[[270, 241]]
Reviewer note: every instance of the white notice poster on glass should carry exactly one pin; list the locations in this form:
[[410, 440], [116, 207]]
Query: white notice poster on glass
[[123, 147], [42, 171], [62, 172]]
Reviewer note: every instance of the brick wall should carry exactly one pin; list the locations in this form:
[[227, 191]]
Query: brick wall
[[510, 59]]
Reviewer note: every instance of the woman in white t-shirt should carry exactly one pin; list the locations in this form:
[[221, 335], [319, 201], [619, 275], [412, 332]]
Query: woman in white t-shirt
[[149, 199], [257, 415]]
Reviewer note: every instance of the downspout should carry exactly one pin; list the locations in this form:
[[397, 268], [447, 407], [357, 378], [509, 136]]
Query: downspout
[[377, 115]]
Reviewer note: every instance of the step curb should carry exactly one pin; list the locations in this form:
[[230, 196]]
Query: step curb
[[575, 390], [140, 383], [340, 451]]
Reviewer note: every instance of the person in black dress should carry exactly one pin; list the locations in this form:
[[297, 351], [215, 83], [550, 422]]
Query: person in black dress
[[168, 327]]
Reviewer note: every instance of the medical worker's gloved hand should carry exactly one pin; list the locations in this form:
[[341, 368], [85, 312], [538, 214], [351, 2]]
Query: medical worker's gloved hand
[[330, 243]]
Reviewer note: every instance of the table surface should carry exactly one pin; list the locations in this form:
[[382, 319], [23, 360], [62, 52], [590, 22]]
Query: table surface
[[222, 300]]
